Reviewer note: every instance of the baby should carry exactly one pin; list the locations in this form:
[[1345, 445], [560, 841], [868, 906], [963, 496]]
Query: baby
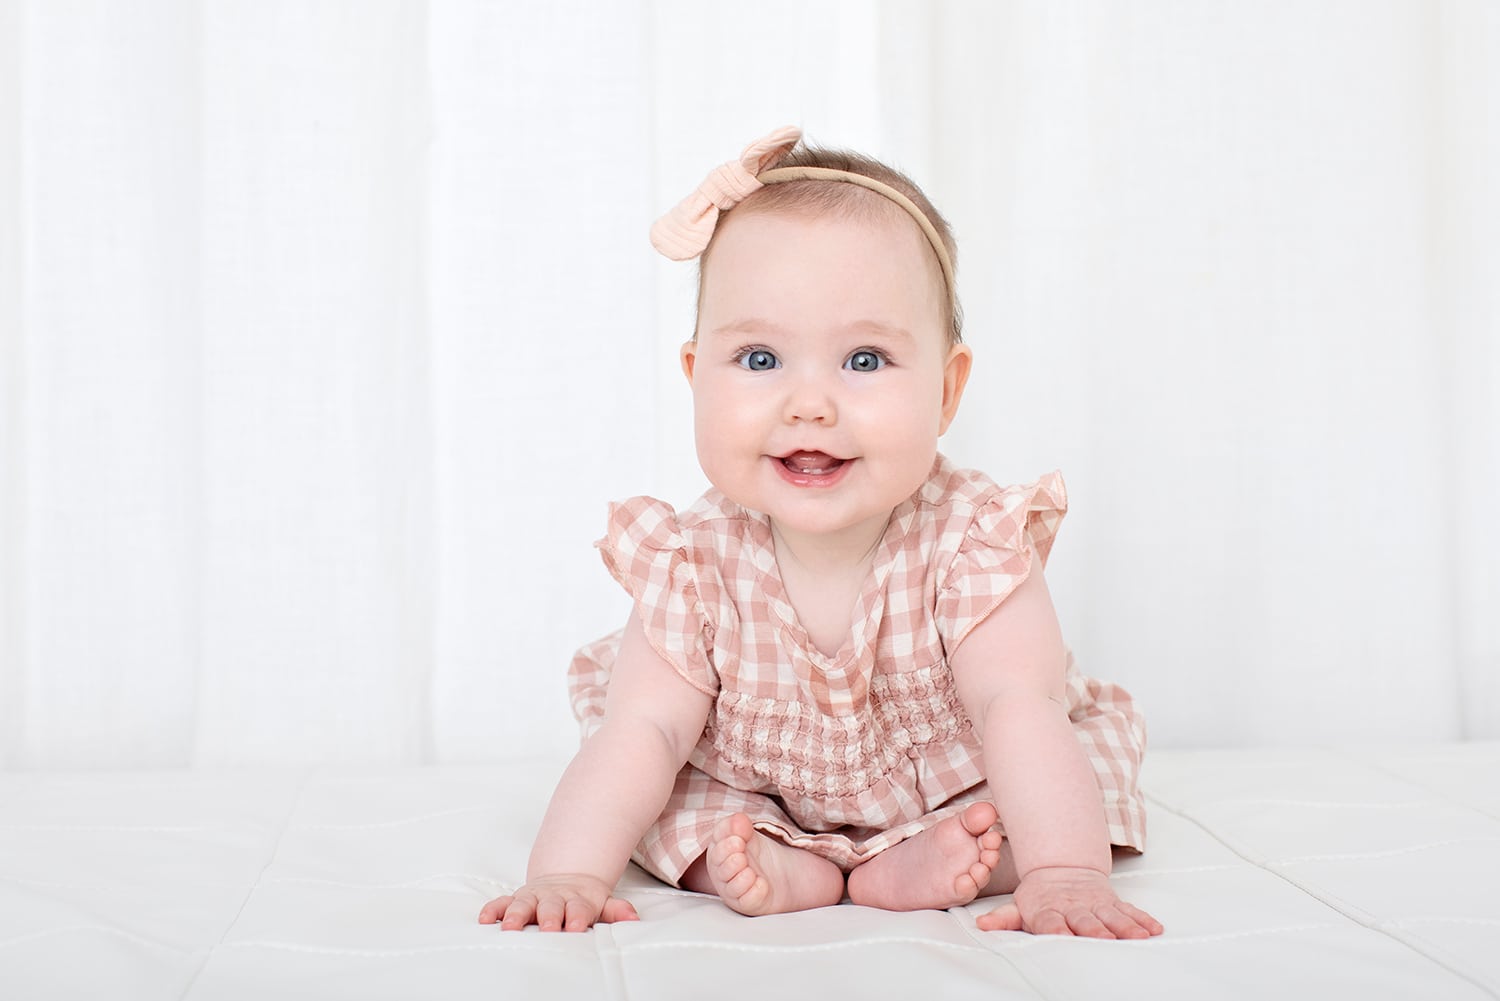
[[844, 674]]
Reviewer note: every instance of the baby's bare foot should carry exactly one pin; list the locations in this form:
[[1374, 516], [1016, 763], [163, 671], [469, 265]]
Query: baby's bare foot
[[756, 874], [944, 866]]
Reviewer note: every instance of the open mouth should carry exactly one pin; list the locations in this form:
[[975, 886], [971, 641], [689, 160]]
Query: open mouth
[[811, 463], [812, 468]]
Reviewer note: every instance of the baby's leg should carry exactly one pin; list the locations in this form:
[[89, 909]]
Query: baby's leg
[[944, 866], [756, 874]]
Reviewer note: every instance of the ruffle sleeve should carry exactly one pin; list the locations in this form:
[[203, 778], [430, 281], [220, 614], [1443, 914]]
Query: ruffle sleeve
[[1012, 528], [647, 553]]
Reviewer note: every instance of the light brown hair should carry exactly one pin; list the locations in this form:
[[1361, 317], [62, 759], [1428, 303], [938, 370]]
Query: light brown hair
[[846, 201]]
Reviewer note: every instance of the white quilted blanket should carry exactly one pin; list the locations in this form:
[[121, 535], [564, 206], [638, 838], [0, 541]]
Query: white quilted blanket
[[1279, 874]]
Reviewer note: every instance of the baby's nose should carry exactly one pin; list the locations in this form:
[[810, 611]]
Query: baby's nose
[[811, 401]]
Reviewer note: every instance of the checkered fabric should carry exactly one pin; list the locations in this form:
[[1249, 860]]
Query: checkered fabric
[[844, 755]]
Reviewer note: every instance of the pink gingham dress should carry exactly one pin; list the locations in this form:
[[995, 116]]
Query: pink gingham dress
[[846, 755]]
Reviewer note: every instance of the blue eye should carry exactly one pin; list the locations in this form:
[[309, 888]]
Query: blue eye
[[758, 360], [865, 361]]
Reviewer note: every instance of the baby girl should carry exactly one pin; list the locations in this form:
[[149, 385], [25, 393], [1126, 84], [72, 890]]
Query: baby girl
[[844, 675]]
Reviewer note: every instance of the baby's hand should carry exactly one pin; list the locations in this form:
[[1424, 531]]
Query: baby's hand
[[1068, 901], [564, 902]]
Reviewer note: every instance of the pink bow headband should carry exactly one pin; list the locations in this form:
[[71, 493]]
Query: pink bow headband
[[684, 232]]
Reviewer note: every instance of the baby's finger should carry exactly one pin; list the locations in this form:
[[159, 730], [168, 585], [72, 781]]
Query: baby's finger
[[1121, 924], [616, 909], [549, 914], [1142, 919], [1085, 923], [1048, 922], [494, 910], [581, 915], [1006, 918], [520, 913]]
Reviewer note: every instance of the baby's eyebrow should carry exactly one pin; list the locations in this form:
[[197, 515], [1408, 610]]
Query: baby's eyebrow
[[757, 327], [750, 327], [877, 329]]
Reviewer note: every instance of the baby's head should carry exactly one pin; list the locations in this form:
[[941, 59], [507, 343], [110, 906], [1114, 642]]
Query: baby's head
[[845, 198], [826, 359]]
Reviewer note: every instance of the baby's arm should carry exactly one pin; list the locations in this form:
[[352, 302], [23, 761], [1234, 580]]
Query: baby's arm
[[1010, 676], [614, 788]]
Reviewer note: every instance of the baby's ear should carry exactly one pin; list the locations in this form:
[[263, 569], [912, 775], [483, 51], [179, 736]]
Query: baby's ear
[[955, 377], [689, 356]]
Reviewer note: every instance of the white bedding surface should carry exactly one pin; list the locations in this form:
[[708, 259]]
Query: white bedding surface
[[1284, 874]]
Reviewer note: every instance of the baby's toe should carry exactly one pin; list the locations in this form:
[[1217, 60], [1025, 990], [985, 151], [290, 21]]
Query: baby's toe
[[731, 865], [724, 849], [741, 883], [736, 825], [978, 818]]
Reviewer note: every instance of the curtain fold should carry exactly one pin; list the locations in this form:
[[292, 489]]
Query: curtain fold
[[1466, 226], [102, 364], [12, 467], [328, 329]]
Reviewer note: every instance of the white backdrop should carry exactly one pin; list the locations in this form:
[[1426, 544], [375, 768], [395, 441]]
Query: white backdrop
[[327, 329]]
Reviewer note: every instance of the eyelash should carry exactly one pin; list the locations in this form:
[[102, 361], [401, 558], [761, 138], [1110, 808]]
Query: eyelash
[[750, 349], [884, 358]]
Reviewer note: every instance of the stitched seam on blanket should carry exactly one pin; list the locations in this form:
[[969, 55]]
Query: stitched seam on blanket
[[1017, 941], [819, 947], [1442, 919], [607, 952], [98, 884], [410, 884], [1321, 804], [1029, 974], [528, 945], [1331, 900], [1430, 790], [1389, 853], [400, 822], [1138, 872], [108, 929], [115, 828], [1427, 947], [1173, 941], [250, 891]]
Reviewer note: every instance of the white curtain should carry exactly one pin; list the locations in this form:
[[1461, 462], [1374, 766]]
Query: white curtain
[[327, 330]]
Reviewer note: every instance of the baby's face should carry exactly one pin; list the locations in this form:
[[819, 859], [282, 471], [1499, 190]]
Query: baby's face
[[822, 373]]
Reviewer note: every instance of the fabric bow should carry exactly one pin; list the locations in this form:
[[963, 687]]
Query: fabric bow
[[684, 232]]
